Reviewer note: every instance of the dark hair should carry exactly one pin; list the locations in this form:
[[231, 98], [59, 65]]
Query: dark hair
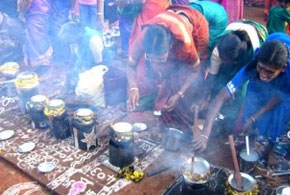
[[71, 32], [157, 40], [274, 53], [284, 1], [234, 45]]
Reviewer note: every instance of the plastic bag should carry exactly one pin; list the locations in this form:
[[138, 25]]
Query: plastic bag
[[90, 87]]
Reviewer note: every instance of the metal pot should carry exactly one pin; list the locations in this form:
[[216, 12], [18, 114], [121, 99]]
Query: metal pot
[[249, 185], [197, 172], [283, 190], [121, 144], [248, 161], [172, 139]]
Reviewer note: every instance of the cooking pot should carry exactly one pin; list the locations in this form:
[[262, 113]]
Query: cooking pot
[[196, 172], [121, 144], [249, 185], [172, 139]]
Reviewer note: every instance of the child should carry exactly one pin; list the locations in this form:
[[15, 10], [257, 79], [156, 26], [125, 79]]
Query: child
[[278, 17]]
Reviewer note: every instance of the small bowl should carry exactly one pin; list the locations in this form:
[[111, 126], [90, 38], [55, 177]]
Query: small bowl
[[46, 167], [26, 147], [139, 127], [6, 134]]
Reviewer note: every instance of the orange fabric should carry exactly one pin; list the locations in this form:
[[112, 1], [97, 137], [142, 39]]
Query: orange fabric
[[288, 29], [192, 36], [190, 43], [150, 9]]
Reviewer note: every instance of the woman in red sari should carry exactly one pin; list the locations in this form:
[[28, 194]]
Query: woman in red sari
[[164, 70], [150, 8]]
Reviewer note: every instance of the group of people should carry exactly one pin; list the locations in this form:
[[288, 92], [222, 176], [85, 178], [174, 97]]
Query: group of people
[[173, 67], [181, 55]]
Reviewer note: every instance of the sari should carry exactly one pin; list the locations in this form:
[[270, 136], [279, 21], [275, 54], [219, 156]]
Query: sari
[[149, 9], [38, 49], [12, 38], [190, 43]]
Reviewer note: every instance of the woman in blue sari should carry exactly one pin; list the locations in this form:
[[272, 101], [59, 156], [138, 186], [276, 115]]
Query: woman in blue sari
[[266, 108]]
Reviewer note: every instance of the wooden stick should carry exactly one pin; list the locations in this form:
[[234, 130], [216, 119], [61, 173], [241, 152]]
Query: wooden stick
[[192, 165], [237, 174], [195, 130]]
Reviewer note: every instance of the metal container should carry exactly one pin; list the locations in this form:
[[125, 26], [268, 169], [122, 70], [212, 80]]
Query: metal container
[[283, 190], [26, 84], [196, 172], [249, 187], [249, 161], [115, 87], [172, 139], [58, 118], [84, 129], [36, 107], [10, 69], [121, 145]]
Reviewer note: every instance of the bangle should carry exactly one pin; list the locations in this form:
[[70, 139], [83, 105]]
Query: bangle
[[253, 119], [181, 94], [134, 88], [205, 136]]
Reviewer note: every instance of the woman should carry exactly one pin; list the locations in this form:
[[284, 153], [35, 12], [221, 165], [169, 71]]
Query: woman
[[150, 8], [216, 16], [12, 38], [232, 52], [266, 106], [38, 49], [164, 63], [86, 45], [87, 10]]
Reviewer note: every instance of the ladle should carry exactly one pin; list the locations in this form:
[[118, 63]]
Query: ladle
[[237, 174], [195, 132]]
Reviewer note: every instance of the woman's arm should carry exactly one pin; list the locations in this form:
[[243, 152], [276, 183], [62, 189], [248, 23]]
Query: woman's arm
[[272, 103], [195, 71], [200, 142], [133, 89]]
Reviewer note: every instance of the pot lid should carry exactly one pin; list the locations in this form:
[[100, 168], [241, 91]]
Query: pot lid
[[122, 127]]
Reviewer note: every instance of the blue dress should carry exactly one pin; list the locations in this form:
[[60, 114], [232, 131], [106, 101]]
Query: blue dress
[[272, 124]]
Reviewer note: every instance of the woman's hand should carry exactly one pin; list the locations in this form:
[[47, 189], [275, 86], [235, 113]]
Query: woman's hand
[[133, 99], [248, 126], [200, 143], [171, 103]]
